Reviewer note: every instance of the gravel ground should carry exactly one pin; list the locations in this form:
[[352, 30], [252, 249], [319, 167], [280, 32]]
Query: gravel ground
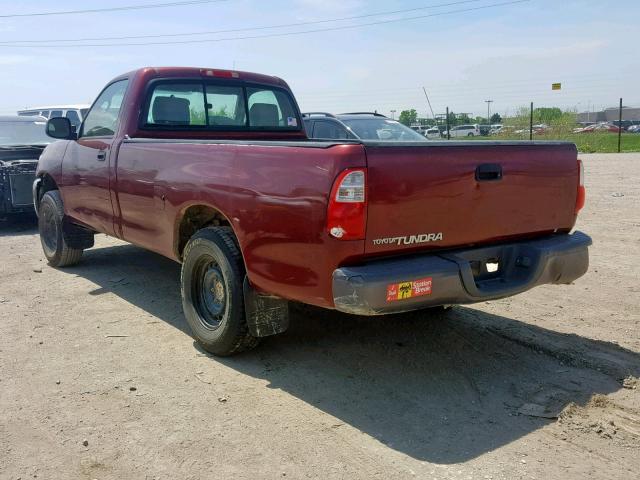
[[99, 378]]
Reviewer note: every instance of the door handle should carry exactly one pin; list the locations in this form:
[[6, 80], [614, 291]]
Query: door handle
[[102, 156], [488, 172]]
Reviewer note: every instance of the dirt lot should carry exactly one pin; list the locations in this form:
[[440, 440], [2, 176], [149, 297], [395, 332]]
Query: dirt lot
[[99, 377]]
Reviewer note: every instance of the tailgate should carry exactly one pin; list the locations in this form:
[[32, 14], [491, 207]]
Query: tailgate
[[449, 194]]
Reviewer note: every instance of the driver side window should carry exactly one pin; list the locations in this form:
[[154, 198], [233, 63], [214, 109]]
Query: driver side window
[[102, 119]]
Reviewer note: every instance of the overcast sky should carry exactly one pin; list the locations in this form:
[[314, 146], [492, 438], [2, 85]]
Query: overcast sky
[[510, 53]]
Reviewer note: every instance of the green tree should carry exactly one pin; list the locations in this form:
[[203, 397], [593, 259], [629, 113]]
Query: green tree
[[463, 118], [408, 117], [496, 118], [547, 115]]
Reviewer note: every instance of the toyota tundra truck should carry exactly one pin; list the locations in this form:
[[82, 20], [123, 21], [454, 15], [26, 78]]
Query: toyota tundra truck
[[213, 169]]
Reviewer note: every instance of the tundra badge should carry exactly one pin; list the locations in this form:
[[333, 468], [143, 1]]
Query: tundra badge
[[423, 238]]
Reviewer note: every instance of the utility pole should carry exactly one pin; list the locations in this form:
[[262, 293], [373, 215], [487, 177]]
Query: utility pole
[[393, 114], [488, 102]]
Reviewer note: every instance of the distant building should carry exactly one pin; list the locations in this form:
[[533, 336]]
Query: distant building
[[610, 115]]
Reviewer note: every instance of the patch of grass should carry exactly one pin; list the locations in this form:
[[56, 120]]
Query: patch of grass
[[586, 142], [605, 142]]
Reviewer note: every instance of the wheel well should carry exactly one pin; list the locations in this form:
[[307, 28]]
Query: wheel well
[[195, 218], [48, 184]]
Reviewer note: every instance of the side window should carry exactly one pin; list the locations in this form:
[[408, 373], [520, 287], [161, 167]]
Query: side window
[[225, 106], [330, 130], [73, 117], [102, 119], [55, 113], [177, 104], [45, 113], [271, 108]]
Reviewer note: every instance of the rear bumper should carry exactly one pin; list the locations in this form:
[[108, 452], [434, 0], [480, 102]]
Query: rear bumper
[[461, 276]]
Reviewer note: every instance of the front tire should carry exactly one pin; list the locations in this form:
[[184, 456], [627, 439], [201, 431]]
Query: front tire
[[212, 296], [50, 226]]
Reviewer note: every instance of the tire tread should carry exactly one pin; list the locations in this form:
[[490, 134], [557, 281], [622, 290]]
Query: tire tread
[[68, 256]]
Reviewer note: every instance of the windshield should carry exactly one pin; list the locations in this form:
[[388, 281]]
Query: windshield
[[382, 129], [23, 133]]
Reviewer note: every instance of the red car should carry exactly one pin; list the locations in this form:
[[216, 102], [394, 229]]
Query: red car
[[599, 127], [212, 168]]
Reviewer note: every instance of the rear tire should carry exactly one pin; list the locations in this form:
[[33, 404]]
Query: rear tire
[[211, 280], [50, 226]]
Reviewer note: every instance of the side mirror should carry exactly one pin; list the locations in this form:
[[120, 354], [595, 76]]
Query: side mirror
[[60, 128]]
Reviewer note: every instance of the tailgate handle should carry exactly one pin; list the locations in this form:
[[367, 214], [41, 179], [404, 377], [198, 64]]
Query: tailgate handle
[[488, 172]]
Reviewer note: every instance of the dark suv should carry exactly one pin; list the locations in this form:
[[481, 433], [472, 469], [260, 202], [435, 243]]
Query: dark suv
[[358, 126]]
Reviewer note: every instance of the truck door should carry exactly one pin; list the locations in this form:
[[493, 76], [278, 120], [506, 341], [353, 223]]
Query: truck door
[[87, 165]]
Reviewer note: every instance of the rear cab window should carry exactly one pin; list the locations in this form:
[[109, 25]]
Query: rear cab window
[[208, 105]]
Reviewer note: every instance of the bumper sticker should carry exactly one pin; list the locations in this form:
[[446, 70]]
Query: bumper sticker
[[403, 290]]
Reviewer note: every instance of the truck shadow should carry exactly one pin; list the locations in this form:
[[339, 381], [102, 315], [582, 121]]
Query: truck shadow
[[443, 387]]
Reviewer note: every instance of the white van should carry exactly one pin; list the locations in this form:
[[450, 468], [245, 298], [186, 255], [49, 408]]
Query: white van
[[465, 131], [75, 113]]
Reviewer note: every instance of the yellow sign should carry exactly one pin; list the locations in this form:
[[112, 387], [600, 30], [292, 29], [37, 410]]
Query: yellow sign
[[405, 290], [556, 86]]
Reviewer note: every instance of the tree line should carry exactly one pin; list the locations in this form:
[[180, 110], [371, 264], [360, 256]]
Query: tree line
[[547, 115]]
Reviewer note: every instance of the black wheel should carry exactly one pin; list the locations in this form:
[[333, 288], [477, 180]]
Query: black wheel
[[470, 134], [51, 215], [212, 296]]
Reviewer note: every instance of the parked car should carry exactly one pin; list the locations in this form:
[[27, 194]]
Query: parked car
[[496, 129], [634, 129], [22, 140], [359, 125], [432, 133], [418, 128], [598, 128], [465, 131], [75, 113], [443, 130], [259, 215], [538, 129], [484, 130]]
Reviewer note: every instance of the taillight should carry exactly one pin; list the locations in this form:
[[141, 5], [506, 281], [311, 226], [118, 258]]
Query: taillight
[[347, 211], [580, 198]]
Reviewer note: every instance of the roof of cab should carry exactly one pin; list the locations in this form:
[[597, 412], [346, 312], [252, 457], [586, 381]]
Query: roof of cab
[[198, 72]]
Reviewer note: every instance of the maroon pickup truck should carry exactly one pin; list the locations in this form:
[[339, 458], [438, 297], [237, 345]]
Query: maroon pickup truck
[[213, 169]]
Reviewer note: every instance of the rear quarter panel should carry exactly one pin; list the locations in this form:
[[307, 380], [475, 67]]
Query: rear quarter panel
[[275, 198]]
